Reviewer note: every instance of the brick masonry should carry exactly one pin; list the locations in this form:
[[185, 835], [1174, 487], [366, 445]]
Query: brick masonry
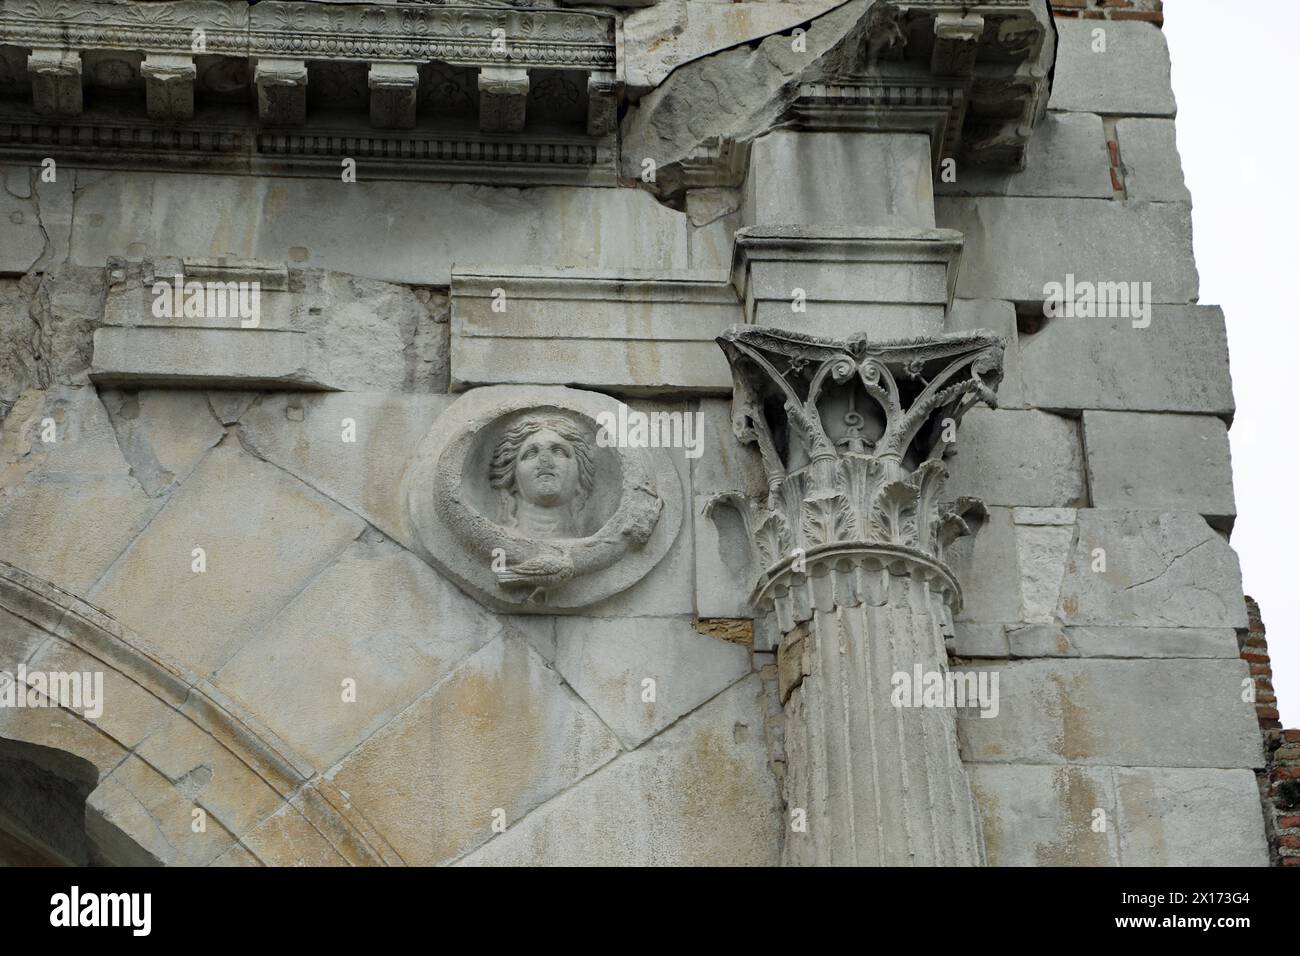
[[1279, 781], [1151, 11]]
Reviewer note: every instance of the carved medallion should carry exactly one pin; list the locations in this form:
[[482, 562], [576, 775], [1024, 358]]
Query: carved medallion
[[514, 496]]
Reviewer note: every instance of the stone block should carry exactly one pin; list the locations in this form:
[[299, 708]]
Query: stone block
[[817, 178], [203, 358], [162, 434], [987, 566], [1189, 817], [1015, 246], [1149, 713], [1054, 640], [724, 463], [1116, 67], [374, 228], [1148, 151], [380, 617], [154, 816], [612, 331], [304, 434], [724, 564], [980, 640], [1066, 156], [1036, 815], [607, 663], [264, 536], [1160, 462], [1145, 569], [1013, 457], [502, 733], [701, 793], [286, 838], [1177, 364]]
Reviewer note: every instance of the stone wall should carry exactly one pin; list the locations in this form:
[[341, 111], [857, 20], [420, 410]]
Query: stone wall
[[218, 518]]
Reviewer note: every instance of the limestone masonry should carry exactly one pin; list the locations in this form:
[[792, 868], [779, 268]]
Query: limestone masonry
[[776, 432]]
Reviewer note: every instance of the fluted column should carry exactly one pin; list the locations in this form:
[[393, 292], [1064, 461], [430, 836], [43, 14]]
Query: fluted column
[[851, 537]]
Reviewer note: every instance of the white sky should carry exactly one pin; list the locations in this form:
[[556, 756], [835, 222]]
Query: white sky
[[1233, 70]]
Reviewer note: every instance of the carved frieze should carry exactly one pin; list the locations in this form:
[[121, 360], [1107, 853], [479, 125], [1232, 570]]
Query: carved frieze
[[517, 497]]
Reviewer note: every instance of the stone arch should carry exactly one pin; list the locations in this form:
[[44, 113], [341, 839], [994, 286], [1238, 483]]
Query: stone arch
[[169, 752]]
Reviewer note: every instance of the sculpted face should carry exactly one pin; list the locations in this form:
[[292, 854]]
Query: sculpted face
[[547, 469]]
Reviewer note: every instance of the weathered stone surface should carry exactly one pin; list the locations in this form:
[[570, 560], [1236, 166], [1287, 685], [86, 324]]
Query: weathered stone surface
[[286, 838], [264, 535], [376, 229], [1161, 570], [304, 434], [204, 358], [1162, 462], [157, 817], [1053, 640], [502, 733], [969, 315], [1066, 157], [841, 178], [67, 507], [1131, 76], [979, 640], [208, 775], [1177, 364], [628, 333], [665, 35], [379, 617], [1150, 713], [701, 793], [1012, 457], [1043, 545], [1189, 817], [1036, 815], [162, 434], [1015, 246], [46, 324], [607, 663], [724, 463], [1148, 151], [724, 572], [987, 566], [1155, 816]]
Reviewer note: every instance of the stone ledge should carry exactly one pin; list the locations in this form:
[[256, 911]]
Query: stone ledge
[[625, 331]]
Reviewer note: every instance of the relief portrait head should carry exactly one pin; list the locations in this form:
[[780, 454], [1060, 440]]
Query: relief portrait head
[[544, 474]]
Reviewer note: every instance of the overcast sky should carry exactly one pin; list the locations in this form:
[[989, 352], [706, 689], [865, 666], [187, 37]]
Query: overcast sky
[[1233, 69]]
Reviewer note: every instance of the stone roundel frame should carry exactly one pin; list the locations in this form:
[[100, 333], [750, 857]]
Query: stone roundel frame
[[461, 540]]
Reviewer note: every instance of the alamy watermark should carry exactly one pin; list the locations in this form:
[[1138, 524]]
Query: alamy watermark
[[946, 688], [629, 428], [1074, 299], [73, 690], [179, 299]]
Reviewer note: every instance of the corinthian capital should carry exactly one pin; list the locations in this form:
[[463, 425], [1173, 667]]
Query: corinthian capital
[[852, 435]]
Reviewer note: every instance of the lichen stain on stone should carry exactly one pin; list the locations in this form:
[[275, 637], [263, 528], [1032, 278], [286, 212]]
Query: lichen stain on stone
[[1074, 740], [1077, 844], [990, 812], [489, 726]]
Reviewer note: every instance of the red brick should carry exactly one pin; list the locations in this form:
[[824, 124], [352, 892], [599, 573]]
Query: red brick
[[1068, 4], [1114, 152], [1261, 669], [1157, 18], [1291, 861], [1286, 823], [1115, 183], [1284, 773], [1254, 658], [1291, 735], [1291, 840]]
